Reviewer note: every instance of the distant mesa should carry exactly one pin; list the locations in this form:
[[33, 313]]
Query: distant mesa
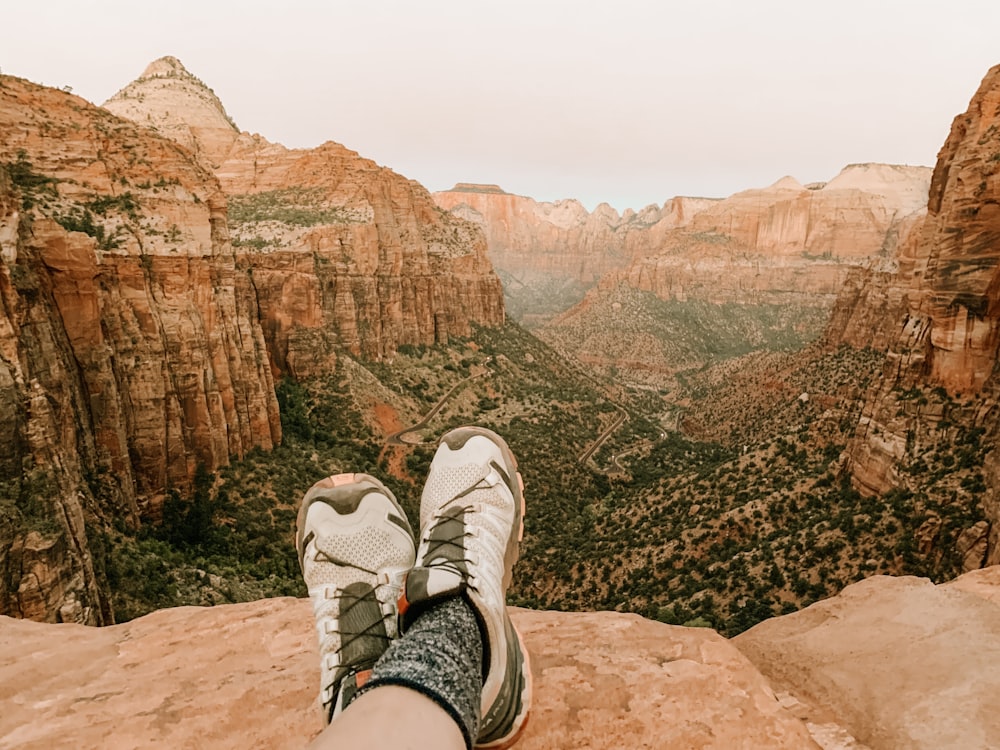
[[472, 187]]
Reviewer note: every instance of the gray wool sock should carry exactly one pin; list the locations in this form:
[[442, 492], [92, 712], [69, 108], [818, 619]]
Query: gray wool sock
[[440, 656]]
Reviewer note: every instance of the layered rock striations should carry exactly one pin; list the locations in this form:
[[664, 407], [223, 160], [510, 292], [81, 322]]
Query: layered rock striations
[[344, 253], [176, 104], [130, 345], [146, 313], [786, 243], [783, 244], [559, 238], [941, 379], [760, 269]]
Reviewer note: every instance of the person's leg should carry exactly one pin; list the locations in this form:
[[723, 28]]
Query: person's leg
[[392, 717], [471, 522]]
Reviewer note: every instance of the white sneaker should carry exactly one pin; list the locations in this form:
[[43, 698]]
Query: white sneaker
[[355, 546], [471, 521]]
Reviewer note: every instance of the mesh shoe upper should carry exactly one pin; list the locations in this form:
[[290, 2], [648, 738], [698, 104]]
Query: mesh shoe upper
[[354, 546]]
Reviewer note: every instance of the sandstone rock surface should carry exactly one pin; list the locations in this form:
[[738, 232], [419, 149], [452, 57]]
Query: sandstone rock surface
[[900, 662], [246, 676], [779, 244], [145, 316], [783, 243], [760, 269], [199, 121]]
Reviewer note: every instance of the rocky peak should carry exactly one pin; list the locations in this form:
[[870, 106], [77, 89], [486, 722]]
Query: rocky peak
[[787, 183], [180, 106], [905, 186], [130, 344], [325, 231], [167, 66]]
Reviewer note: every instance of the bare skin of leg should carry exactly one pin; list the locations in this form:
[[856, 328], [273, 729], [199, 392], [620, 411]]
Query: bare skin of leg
[[392, 716]]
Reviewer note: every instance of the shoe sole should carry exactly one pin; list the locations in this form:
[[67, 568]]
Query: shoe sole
[[521, 720]]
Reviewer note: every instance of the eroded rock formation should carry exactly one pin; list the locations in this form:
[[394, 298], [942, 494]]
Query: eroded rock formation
[[550, 253], [784, 244], [130, 341], [343, 252], [946, 333], [137, 341], [843, 674], [856, 656], [246, 674]]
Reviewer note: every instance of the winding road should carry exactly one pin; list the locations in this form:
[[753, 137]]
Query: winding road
[[396, 438], [399, 438], [587, 454]]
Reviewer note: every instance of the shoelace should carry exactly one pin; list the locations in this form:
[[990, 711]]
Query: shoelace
[[348, 637], [438, 541]]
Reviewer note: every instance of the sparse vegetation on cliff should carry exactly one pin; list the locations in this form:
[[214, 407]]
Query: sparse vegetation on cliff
[[296, 207]]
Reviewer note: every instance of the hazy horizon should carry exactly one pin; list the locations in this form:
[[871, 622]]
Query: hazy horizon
[[630, 106]]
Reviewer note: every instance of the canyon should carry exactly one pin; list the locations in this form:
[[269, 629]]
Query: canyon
[[142, 337], [786, 243], [171, 284]]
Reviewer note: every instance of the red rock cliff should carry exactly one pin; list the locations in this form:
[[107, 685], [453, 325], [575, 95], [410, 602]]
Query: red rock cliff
[[130, 341], [344, 253], [947, 326], [784, 243]]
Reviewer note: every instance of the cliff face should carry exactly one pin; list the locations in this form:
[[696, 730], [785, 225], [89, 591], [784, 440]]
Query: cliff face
[[781, 244], [131, 347], [342, 252], [786, 243], [759, 270], [867, 308], [138, 341], [563, 239], [549, 254], [946, 324]]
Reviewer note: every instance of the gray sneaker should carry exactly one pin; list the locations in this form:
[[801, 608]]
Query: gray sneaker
[[355, 546], [471, 521]]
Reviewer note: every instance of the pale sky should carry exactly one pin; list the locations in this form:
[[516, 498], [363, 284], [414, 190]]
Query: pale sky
[[629, 102]]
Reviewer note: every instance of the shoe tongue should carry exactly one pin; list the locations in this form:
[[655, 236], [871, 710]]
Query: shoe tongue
[[363, 636], [446, 543]]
